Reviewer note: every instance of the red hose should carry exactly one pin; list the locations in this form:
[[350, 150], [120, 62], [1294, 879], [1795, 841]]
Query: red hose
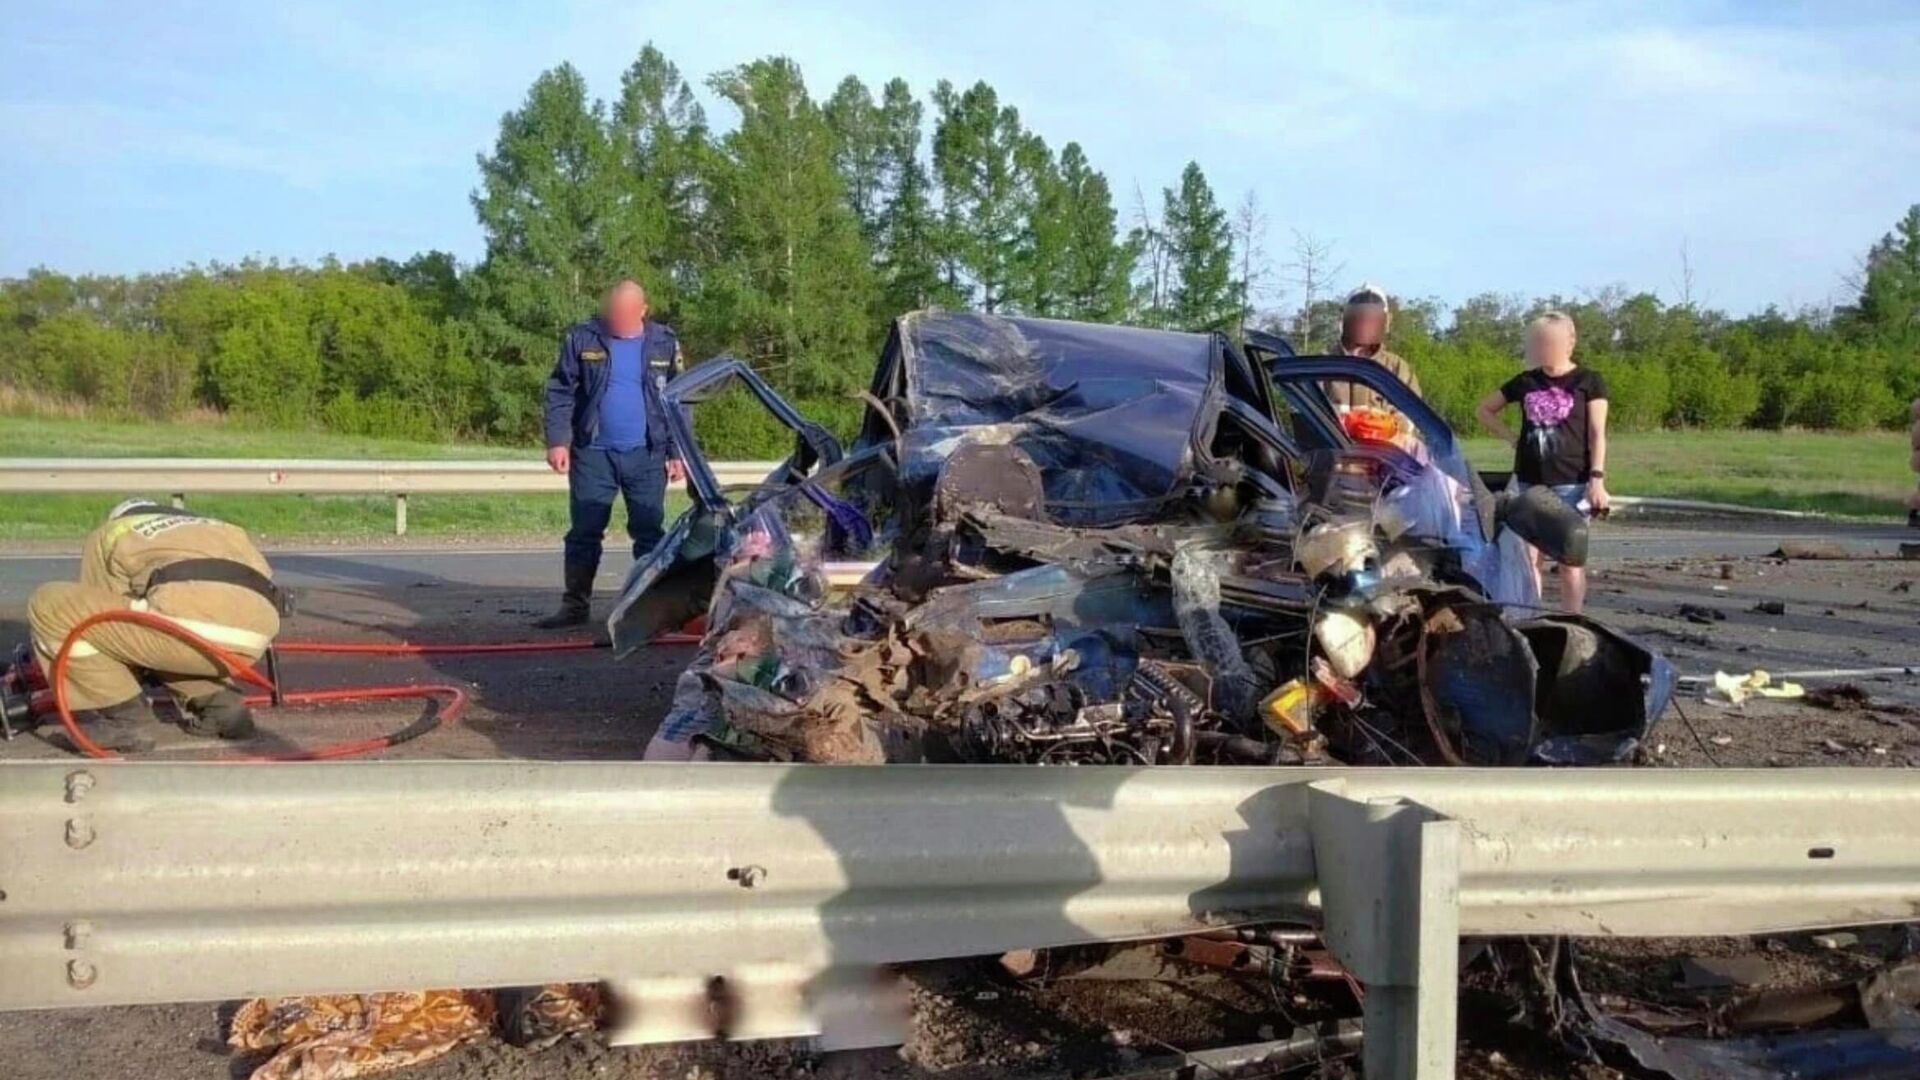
[[242, 671], [409, 648]]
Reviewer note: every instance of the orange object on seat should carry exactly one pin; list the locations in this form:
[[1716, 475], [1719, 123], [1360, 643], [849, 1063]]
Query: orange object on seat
[[1371, 425]]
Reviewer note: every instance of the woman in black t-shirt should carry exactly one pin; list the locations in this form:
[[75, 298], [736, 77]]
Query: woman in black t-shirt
[[1562, 443]]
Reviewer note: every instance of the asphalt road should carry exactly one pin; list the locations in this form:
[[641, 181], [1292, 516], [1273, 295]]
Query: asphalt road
[[538, 568], [1652, 583], [587, 705]]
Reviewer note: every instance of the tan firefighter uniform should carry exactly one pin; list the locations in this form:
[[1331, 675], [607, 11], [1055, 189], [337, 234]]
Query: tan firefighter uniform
[[201, 573], [1353, 395]]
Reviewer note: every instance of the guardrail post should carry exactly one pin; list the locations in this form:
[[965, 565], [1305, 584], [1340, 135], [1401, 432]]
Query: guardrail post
[[399, 513], [1389, 875]]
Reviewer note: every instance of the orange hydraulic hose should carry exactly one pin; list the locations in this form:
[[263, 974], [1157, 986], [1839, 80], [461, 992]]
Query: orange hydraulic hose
[[242, 671], [409, 648], [449, 711]]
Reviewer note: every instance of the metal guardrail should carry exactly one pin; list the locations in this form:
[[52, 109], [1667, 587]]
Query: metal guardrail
[[180, 477], [757, 900]]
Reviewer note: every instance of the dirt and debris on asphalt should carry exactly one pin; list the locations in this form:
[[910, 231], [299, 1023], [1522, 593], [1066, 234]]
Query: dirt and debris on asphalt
[[970, 1022]]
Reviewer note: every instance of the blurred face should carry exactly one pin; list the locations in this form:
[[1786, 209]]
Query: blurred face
[[1364, 326], [1549, 346], [625, 311]]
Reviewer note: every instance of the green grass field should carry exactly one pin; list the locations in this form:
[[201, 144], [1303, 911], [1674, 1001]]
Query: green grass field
[[58, 437], [274, 517], [1859, 475], [1855, 475]]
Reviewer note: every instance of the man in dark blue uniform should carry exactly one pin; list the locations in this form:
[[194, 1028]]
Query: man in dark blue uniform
[[607, 430]]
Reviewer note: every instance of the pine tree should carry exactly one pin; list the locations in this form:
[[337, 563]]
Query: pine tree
[[986, 194], [1098, 269], [909, 229], [1038, 283], [549, 205], [859, 151], [1204, 294], [795, 290], [660, 134]]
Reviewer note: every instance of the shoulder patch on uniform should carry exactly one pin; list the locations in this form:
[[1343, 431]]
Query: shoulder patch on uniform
[[593, 354]]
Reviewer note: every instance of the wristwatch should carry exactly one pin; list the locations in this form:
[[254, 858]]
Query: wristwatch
[[1597, 474]]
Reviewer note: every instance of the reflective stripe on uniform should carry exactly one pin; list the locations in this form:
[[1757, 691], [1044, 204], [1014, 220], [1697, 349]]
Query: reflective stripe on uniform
[[81, 649], [232, 637]]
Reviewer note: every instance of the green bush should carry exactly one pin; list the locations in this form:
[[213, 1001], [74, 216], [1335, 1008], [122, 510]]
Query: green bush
[[1454, 378], [382, 416], [512, 402], [1638, 393], [1841, 401], [73, 355], [1705, 393], [735, 427]]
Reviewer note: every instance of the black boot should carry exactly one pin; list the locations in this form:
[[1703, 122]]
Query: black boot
[[575, 601], [222, 714], [120, 728]]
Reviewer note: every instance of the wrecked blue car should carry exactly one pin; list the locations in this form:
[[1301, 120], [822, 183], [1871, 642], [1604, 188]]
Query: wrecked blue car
[[1092, 544]]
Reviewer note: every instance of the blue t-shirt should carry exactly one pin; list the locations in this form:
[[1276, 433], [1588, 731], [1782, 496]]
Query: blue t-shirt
[[623, 408]]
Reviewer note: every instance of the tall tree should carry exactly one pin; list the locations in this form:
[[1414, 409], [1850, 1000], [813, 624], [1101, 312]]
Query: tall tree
[[859, 152], [981, 156], [1068, 262], [795, 290], [1038, 275], [659, 132], [1250, 257], [1204, 295], [1314, 269], [549, 205], [1889, 284], [1097, 271], [1154, 287], [1499, 321], [910, 235]]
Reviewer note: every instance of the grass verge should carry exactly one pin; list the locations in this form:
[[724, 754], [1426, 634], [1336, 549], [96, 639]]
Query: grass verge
[[63, 437], [1856, 475], [321, 518], [1860, 475]]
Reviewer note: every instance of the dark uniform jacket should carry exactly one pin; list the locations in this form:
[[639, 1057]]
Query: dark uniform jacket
[[579, 381]]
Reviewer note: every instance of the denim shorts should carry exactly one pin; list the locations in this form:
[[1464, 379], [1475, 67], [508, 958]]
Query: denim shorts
[[1574, 495]]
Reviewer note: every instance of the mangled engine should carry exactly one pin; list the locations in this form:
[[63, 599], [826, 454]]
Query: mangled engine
[[1085, 564]]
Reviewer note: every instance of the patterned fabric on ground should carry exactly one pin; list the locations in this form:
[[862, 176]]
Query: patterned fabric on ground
[[550, 1013], [337, 1036]]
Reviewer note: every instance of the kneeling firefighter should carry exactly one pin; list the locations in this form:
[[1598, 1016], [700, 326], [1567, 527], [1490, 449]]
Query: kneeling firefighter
[[199, 573]]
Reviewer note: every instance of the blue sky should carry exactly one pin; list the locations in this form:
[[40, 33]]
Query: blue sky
[[1444, 149]]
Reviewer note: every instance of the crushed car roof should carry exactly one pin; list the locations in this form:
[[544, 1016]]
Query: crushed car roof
[[1109, 414]]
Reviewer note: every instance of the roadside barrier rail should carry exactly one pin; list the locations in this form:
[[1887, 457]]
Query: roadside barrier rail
[[760, 901], [180, 477]]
